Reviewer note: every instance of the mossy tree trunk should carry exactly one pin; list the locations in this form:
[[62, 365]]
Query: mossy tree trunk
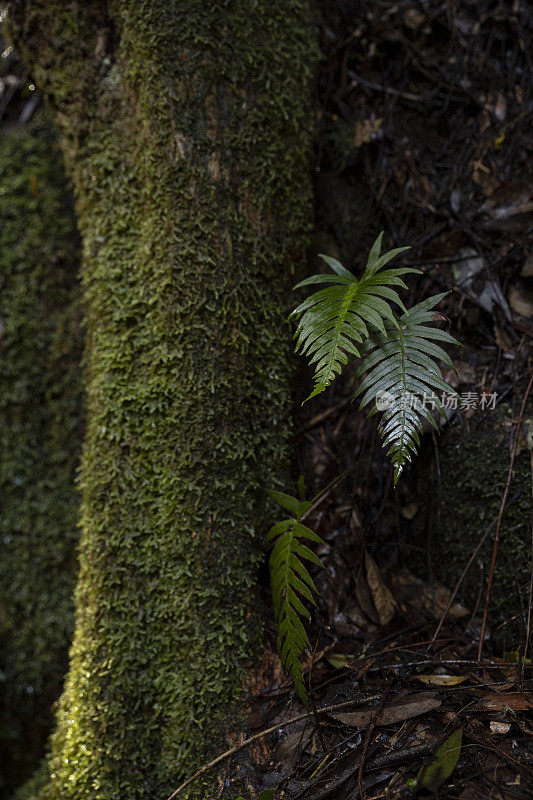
[[187, 132], [40, 434]]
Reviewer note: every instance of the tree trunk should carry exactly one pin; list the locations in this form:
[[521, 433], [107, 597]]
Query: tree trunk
[[40, 387], [187, 132]]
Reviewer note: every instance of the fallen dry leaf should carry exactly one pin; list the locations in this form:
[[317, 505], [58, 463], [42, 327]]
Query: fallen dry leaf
[[366, 130], [364, 598], [401, 709], [527, 269], [433, 598], [513, 701], [498, 686], [356, 615], [381, 594], [521, 300], [296, 740], [442, 680], [437, 597], [510, 670], [500, 728]]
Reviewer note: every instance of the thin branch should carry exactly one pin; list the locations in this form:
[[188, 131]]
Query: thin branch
[[499, 521], [255, 737], [357, 79], [371, 728], [460, 581], [528, 626]]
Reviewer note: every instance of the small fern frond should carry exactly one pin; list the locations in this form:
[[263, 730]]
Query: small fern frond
[[292, 584], [401, 375], [333, 322]]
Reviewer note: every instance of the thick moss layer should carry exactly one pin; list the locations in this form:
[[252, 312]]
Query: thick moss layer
[[39, 439], [474, 471], [187, 129]]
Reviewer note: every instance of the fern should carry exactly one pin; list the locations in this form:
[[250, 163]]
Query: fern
[[400, 367], [333, 321], [355, 317], [292, 583]]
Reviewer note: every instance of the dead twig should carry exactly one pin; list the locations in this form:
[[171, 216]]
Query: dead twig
[[499, 520], [528, 625], [324, 415], [324, 493], [312, 698], [460, 581], [255, 737], [357, 79], [367, 741], [391, 759]]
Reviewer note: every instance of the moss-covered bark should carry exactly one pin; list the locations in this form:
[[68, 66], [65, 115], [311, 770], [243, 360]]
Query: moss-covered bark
[[187, 132], [473, 471], [39, 438]]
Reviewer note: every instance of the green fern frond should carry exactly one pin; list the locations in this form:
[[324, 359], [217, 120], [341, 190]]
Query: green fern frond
[[333, 322], [400, 371], [292, 584]]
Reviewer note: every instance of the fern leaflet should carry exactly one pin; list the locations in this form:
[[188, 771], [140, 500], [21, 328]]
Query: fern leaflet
[[333, 321], [401, 372], [292, 584]]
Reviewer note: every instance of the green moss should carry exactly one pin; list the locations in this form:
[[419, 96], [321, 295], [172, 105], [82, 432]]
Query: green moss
[[39, 439], [191, 163], [474, 470]]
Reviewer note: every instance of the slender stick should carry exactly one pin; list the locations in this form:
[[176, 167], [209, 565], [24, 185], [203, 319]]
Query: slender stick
[[528, 625], [255, 737], [465, 572], [460, 581], [367, 741], [499, 521]]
